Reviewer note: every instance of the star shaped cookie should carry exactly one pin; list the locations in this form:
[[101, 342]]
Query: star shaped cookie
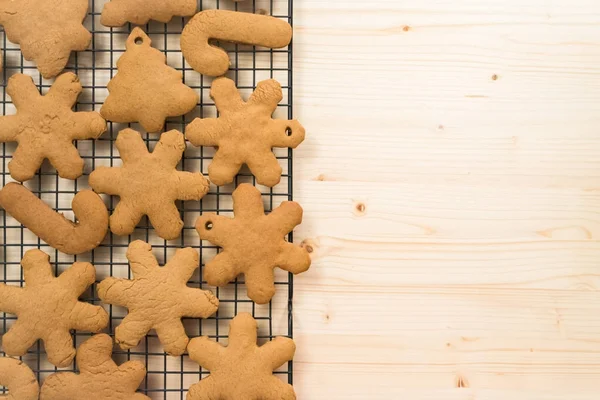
[[245, 133], [48, 308], [157, 298], [253, 243], [46, 126], [148, 184], [242, 370]]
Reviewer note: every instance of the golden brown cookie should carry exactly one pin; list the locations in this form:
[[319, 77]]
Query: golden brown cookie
[[228, 26], [45, 126], [242, 370], [146, 89], [99, 379], [19, 379], [157, 298], [139, 12], [245, 133], [52, 227], [48, 308], [253, 243], [46, 30], [149, 184]]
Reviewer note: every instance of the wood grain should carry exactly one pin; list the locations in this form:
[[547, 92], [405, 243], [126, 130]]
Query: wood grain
[[451, 186]]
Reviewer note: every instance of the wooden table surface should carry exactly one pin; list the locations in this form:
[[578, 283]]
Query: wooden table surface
[[451, 186]]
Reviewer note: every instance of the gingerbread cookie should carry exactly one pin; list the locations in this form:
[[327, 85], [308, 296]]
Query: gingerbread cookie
[[245, 133], [46, 30], [157, 298], [149, 184], [228, 26], [19, 379], [100, 378], [139, 12], [48, 308], [45, 127], [52, 227], [253, 243], [146, 89], [242, 370]]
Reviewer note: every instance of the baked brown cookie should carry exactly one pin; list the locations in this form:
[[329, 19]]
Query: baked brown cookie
[[145, 89], [157, 298], [52, 227], [19, 379], [149, 184], [245, 133], [48, 308], [45, 127], [100, 378], [46, 30], [139, 12], [253, 243], [228, 26], [242, 370]]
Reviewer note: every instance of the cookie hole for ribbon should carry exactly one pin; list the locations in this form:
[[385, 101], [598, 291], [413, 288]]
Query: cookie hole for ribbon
[[288, 131], [208, 225], [138, 40]]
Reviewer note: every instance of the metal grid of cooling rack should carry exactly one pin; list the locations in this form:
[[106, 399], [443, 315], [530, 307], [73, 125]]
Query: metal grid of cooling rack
[[167, 377]]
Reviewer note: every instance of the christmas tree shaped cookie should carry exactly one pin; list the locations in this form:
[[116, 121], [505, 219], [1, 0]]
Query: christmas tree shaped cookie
[[242, 370], [46, 30], [145, 89], [100, 378]]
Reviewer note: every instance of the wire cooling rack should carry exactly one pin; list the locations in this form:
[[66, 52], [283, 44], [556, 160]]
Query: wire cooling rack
[[167, 377]]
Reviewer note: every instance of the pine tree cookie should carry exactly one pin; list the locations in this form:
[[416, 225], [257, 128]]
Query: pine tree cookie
[[139, 12], [46, 30], [228, 26], [242, 370], [46, 126], [19, 379], [148, 184], [253, 243], [157, 298], [245, 133], [145, 89], [48, 308], [100, 378]]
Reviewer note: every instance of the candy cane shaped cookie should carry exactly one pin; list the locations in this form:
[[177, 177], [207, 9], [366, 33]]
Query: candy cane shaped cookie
[[229, 26]]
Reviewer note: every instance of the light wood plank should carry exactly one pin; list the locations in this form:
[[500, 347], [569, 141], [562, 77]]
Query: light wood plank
[[450, 186]]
